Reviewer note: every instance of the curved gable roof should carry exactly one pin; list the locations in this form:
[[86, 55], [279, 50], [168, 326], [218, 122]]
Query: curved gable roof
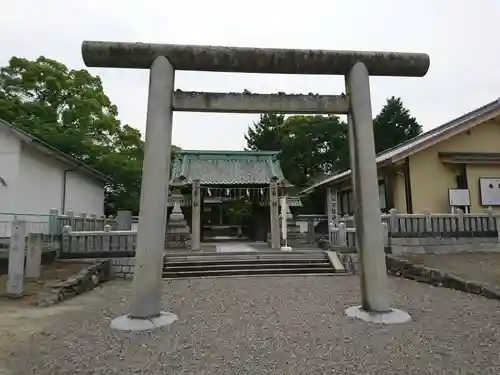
[[226, 167]]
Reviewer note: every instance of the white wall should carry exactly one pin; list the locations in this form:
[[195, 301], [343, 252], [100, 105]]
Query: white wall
[[9, 166], [41, 186], [35, 183], [40, 182], [84, 194]]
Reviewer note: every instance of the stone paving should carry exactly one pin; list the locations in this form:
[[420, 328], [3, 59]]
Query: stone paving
[[232, 247], [268, 325]]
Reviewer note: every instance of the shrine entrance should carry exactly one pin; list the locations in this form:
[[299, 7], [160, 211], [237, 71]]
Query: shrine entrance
[[225, 220], [162, 60], [234, 192]]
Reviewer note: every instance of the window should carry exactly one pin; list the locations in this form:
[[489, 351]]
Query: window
[[382, 197], [461, 177], [461, 182], [344, 206], [346, 200], [350, 207]]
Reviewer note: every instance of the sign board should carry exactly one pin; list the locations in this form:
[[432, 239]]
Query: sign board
[[459, 197], [490, 191]]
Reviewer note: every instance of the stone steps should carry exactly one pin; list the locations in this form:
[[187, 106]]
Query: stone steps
[[246, 263]]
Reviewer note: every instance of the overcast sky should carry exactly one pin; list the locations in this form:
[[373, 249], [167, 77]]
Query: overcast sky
[[461, 36]]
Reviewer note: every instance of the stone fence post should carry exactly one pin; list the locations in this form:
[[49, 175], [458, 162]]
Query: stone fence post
[[34, 255], [82, 223], [310, 231], [66, 240], [342, 235], [459, 215], [53, 222], [491, 220], [15, 281], [70, 214], [393, 220], [385, 232], [106, 239], [124, 220], [93, 222], [331, 229], [427, 221]]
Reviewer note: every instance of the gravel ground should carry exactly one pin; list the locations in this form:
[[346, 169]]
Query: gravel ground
[[50, 273], [268, 325], [482, 267]]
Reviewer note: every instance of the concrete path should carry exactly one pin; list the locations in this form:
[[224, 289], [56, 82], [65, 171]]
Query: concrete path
[[233, 247]]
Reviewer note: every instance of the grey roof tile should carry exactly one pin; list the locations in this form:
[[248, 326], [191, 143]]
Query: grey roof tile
[[227, 167]]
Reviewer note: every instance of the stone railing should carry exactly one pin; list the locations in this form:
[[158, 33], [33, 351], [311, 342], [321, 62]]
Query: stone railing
[[425, 233], [418, 225], [108, 243], [53, 222], [78, 222], [95, 244], [344, 238], [432, 224]]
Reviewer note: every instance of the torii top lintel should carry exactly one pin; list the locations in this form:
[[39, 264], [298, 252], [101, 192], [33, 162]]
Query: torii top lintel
[[252, 60]]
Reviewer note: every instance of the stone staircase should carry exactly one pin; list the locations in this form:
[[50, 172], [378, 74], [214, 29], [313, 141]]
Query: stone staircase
[[210, 264]]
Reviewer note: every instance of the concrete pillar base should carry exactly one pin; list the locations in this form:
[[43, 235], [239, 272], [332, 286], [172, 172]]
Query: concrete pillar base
[[126, 323], [286, 248], [393, 316]]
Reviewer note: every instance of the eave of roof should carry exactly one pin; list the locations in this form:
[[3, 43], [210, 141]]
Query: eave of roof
[[230, 153], [53, 152], [269, 168], [406, 148]]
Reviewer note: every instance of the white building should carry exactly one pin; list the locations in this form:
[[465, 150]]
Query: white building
[[35, 178]]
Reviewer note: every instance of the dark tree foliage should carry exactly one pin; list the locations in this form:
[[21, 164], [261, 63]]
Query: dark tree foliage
[[394, 125], [312, 147]]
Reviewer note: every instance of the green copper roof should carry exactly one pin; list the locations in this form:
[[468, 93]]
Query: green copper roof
[[226, 167]]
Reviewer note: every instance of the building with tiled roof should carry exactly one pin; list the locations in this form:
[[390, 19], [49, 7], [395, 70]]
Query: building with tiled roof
[[457, 161], [226, 168], [230, 181]]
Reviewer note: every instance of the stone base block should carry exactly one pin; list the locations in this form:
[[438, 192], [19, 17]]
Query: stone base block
[[126, 323], [393, 316]]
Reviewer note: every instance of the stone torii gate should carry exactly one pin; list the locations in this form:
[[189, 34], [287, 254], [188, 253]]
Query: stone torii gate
[[163, 59]]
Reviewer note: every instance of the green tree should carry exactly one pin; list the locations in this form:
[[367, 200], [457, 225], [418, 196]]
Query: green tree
[[314, 146], [394, 125], [310, 146], [69, 110], [265, 134]]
